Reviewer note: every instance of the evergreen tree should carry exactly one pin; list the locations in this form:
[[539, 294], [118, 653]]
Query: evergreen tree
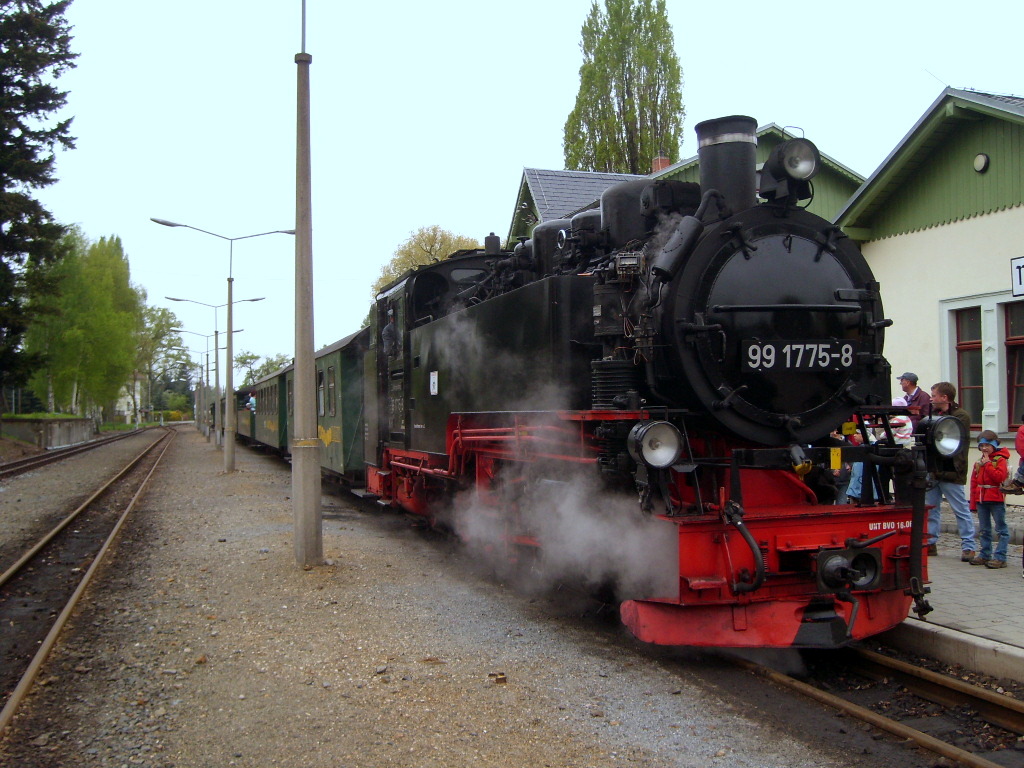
[[34, 50], [629, 108]]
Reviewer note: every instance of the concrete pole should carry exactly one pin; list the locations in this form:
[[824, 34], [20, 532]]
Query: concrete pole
[[230, 411], [309, 549], [206, 404], [218, 420], [201, 401]]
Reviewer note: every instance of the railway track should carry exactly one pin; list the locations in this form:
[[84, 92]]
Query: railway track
[[39, 592], [27, 464], [948, 692]]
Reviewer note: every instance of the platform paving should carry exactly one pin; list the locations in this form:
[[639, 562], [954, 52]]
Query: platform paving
[[978, 616]]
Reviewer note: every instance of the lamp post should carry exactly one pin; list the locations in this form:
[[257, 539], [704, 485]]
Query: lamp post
[[231, 415], [206, 427], [306, 513]]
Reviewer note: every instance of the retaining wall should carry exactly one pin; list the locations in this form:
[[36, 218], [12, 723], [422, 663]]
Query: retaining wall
[[49, 433]]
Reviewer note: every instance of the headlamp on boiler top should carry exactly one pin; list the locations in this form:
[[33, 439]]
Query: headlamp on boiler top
[[788, 171]]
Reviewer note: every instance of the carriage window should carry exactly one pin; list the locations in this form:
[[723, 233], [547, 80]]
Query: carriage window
[[319, 392], [331, 405], [291, 396]]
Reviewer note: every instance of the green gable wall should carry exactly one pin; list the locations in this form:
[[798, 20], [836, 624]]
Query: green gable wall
[[832, 186], [946, 188]]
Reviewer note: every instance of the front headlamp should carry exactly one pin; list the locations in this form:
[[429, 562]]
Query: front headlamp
[[799, 159], [943, 435], [657, 444], [786, 175]]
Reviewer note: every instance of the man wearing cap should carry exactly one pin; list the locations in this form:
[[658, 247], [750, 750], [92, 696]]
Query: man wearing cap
[[917, 399]]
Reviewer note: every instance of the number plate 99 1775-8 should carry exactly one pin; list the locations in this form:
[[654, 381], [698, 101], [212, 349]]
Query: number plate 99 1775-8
[[799, 355]]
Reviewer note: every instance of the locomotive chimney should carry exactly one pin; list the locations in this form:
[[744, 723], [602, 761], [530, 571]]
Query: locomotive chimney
[[727, 149]]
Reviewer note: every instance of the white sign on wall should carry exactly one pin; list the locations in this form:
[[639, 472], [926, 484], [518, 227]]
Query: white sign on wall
[[1017, 275]]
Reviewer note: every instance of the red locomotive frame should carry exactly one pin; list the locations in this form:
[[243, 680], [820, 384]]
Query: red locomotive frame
[[725, 597]]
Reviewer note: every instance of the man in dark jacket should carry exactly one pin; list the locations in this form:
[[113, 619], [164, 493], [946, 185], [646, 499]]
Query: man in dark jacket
[[949, 481], [917, 399]]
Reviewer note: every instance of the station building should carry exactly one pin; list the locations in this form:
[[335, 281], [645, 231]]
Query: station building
[[940, 222]]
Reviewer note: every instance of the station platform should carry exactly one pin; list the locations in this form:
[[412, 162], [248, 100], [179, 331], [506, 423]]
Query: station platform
[[978, 616]]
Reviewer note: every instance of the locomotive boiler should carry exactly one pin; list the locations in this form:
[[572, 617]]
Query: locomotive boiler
[[675, 360]]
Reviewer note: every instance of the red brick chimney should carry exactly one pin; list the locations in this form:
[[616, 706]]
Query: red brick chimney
[[659, 163]]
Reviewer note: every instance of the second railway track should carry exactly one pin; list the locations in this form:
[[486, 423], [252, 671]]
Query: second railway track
[[39, 590]]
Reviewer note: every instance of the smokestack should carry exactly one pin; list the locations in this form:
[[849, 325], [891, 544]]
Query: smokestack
[[727, 148]]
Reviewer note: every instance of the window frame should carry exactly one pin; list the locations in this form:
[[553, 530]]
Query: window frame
[[1014, 348], [332, 408], [964, 347]]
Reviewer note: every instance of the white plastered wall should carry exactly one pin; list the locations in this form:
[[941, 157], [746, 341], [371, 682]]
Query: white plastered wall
[[926, 275]]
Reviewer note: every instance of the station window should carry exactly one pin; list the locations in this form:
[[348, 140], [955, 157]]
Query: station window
[[331, 404], [319, 391], [968, 358], [1014, 316]]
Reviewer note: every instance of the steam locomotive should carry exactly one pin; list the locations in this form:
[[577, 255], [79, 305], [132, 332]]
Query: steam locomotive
[[674, 361]]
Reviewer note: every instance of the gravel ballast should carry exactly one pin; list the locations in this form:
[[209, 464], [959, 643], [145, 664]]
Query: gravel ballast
[[204, 644]]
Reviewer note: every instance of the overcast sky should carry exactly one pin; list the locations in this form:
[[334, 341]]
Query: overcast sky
[[426, 113]]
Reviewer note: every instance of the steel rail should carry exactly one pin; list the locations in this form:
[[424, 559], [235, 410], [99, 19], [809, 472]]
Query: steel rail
[[25, 684], [31, 553], [994, 707], [10, 468], [879, 721]]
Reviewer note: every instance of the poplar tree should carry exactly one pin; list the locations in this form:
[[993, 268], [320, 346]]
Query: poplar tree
[[88, 335], [35, 50], [629, 107]]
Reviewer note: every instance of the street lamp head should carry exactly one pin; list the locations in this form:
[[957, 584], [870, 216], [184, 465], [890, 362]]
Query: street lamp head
[[167, 223], [261, 298], [171, 298]]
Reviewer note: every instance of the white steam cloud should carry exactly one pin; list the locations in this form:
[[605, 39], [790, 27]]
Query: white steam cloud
[[590, 537]]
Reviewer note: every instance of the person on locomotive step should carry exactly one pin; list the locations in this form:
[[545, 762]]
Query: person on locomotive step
[[949, 482], [917, 399], [902, 425], [987, 499], [1015, 484], [841, 475], [389, 335], [856, 484], [903, 434]]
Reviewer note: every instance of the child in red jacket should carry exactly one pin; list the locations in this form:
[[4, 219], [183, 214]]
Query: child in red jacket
[[987, 499]]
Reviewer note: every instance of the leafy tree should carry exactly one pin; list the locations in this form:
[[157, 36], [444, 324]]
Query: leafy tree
[[47, 339], [175, 401], [246, 360], [87, 332], [425, 245], [157, 343], [629, 107], [34, 50], [253, 372]]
